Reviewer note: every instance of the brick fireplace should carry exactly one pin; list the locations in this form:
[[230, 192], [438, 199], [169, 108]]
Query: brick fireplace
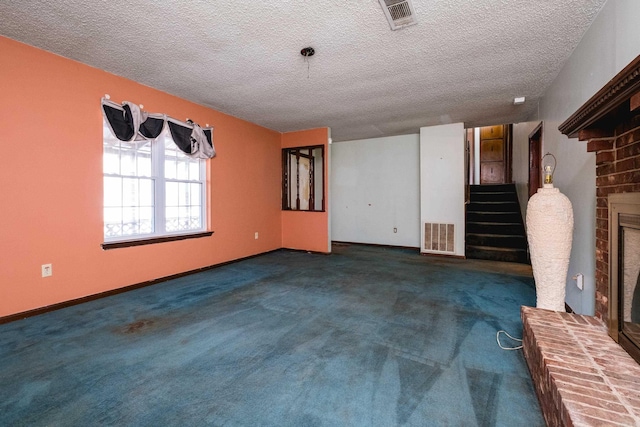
[[610, 124], [581, 374]]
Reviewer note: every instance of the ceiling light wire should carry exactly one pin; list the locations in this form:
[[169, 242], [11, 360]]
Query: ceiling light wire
[[306, 59], [307, 52]]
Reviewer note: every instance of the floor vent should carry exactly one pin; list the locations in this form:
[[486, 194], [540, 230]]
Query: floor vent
[[399, 13], [438, 238]]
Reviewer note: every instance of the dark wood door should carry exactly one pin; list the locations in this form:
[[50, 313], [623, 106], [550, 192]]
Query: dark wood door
[[535, 150]]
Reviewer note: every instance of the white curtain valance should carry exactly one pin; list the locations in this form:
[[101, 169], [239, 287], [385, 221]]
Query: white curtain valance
[[128, 122]]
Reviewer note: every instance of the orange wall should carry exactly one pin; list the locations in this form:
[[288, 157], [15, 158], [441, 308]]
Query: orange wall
[[51, 184], [308, 230]]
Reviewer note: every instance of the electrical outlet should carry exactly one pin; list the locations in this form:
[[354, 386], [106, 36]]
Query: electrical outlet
[[579, 278], [256, 235], [47, 270]]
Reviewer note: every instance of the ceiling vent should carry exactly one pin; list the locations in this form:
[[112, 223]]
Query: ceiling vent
[[399, 13]]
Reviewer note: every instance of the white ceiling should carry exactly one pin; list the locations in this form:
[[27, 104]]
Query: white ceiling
[[464, 61]]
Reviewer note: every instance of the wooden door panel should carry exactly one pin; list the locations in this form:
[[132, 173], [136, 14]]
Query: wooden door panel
[[492, 150], [489, 132], [492, 172]]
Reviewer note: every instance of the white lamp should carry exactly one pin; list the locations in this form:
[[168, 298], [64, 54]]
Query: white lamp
[[550, 232]]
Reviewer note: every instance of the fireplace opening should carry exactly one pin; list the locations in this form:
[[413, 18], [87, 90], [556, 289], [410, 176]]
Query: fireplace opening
[[624, 292]]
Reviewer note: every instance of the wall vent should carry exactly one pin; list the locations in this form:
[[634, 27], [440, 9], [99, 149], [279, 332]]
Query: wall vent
[[438, 238], [399, 13]]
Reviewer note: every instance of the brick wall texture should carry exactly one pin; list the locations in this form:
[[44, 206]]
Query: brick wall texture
[[617, 171]]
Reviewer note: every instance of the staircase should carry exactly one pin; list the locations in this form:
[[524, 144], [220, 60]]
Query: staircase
[[494, 229]]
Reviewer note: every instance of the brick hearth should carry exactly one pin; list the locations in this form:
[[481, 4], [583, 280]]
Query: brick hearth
[[581, 375]]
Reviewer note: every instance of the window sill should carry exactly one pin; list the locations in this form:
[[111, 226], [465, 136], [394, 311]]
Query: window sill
[[151, 241]]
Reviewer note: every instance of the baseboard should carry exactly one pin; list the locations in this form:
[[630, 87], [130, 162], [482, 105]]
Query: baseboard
[[443, 255], [306, 251], [81, 300], [341, 243]]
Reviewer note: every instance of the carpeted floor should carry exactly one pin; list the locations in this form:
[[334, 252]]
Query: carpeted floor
[[367, 336]]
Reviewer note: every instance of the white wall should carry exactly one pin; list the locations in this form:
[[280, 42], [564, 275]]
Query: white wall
[[612, 41], [442, 150], [476, 158], [318, 163], [375, 188], [520, 158]]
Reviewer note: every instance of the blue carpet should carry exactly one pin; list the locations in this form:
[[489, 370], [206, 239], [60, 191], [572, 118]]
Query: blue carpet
[[367, 336]]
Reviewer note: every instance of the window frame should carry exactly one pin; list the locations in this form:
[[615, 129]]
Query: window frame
[[286, 179], [160, 180]]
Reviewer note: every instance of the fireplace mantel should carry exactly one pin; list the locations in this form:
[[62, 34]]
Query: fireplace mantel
[[599, 116]]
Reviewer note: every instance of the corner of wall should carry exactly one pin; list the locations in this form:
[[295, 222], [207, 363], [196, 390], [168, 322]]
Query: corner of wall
[[308, 231]]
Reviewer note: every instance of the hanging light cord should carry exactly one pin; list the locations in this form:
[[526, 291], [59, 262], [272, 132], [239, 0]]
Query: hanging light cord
[[307, 52]]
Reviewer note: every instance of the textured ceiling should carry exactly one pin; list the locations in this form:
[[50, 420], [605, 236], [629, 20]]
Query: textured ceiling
[[464, 61]]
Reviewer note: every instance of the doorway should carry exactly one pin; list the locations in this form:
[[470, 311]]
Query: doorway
[[495, 154], [489, 155], [494, 229]]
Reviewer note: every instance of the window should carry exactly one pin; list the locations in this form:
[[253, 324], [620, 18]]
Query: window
[[151, 189], [303, 178]]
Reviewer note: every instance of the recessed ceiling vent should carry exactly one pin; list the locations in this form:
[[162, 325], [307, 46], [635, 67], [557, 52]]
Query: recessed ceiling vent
[[399, 13]]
